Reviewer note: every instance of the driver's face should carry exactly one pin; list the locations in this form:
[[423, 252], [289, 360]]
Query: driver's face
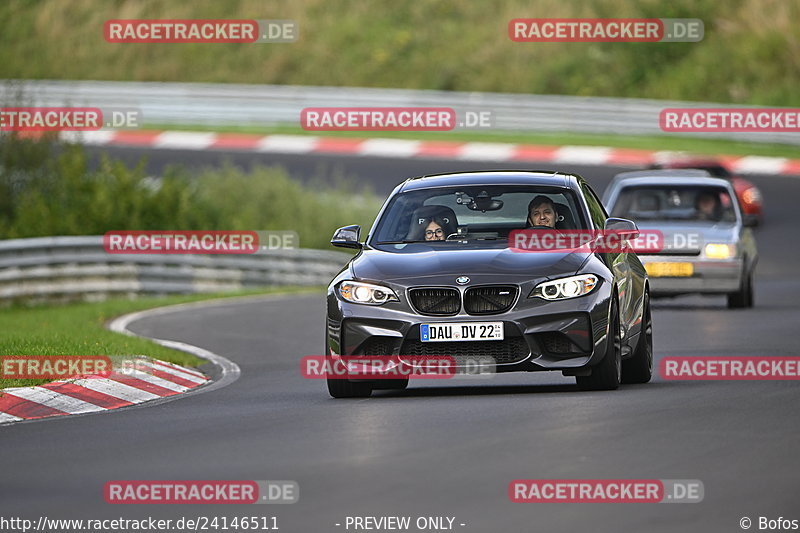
[[543, 215], [706, 205]]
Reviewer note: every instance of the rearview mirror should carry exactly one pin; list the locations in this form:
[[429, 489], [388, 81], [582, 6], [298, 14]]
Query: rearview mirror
[[347, 237], [485, 205], [480, 202], [622, 226]]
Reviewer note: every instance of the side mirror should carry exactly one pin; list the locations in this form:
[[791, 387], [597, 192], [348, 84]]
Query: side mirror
[[750, 221], [347, 237], [627, 229]]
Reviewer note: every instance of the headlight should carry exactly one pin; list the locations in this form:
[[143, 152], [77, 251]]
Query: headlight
[[564, 288], [720, 251], [366, 293]]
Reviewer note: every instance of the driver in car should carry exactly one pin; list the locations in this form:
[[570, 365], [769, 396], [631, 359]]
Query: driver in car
[[707, 206], [542, 212]]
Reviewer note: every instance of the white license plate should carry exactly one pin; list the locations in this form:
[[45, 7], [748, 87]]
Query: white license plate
[[461, 331]]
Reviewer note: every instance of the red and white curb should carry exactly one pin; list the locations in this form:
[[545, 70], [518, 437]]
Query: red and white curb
[[403, 148], [156, 379], [158, 382]]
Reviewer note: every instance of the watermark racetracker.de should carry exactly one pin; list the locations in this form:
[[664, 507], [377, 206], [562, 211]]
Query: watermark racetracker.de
[[200, 31], [201, 492], [730, 368], [729, 120], [606, 491], [394, 118], [198, 241], [54, 366], [627, 30], [43, 119]]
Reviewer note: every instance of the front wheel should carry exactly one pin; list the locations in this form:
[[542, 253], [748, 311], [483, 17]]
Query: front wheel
[[639, 368], [341, 387], [608, 373], [743, 298], [391, 384]]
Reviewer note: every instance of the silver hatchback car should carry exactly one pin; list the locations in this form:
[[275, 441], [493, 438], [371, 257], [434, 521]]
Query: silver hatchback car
[[707, 247]]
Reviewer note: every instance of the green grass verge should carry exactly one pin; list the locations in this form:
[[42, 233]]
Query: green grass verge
[[79, 329], [749, 52], [640, 142]]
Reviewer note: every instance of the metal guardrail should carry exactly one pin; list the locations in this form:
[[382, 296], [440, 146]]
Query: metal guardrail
[[273, 105], [67, 268]]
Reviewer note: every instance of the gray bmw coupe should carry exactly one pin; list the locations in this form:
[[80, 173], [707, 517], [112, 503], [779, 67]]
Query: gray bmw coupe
[[438, 275]]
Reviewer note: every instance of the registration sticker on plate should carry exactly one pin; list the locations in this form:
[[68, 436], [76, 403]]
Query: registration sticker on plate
[[669, 270], [462, 331]]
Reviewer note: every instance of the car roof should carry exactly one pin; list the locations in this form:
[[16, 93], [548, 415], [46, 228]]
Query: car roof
[[670, 173], [713, 166], [492, 177], [688, 161], [658, 177]]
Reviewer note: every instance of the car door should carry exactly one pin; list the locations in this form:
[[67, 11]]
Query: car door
[[628, 271]]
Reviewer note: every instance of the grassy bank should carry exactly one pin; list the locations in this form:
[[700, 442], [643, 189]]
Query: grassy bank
[[78, 329], [750, 52]]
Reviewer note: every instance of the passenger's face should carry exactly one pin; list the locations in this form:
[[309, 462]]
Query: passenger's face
[[543, 215], [434, 232]]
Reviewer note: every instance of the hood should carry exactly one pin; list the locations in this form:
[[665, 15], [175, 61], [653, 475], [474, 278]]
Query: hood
[[497, 265]]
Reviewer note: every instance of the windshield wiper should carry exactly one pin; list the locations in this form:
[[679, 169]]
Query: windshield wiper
[[397, 242]]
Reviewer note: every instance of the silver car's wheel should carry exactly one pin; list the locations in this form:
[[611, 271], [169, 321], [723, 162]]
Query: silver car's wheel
[[743, 298]]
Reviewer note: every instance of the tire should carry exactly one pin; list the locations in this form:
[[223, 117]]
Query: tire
[[607, 374], [391, 384], [344, 388], [743, 298], [639, 368]]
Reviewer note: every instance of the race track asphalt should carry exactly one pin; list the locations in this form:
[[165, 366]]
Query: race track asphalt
[[443, 448]]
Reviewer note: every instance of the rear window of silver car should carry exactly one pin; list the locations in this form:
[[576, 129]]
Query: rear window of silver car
[[665, 203]]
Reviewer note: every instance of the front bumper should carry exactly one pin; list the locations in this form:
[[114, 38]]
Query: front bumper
[[709, 276], [538, 335]]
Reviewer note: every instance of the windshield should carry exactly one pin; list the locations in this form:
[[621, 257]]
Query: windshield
[[475, 213], [662, 202]]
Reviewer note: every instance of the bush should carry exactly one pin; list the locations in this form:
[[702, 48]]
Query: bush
[[48, 188]]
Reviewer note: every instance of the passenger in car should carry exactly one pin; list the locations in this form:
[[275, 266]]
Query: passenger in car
[[434, 231], [432, 223]]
